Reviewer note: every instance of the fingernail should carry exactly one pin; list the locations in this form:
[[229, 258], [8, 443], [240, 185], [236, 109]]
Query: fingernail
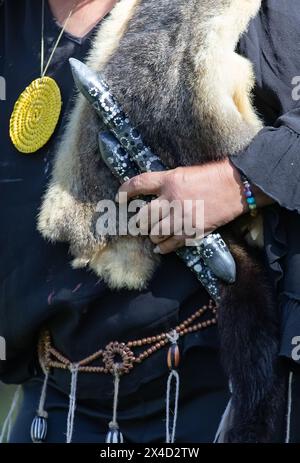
[[157, 250]]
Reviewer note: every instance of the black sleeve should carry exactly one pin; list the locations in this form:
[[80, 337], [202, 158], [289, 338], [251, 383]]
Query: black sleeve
[[272, 160]]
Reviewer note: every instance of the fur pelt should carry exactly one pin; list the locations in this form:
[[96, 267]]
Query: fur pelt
[[172, 65]]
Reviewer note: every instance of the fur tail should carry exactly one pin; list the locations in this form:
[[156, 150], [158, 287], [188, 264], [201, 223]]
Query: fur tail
[[248, 323]]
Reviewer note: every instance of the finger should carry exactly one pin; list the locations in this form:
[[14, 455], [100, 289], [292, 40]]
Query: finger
[[152, 213], [157, 239], [162, 230], [168, 226], [143, 184], [170, 245]]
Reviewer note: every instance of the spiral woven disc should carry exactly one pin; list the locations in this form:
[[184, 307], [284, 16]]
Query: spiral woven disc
[[35, 115]]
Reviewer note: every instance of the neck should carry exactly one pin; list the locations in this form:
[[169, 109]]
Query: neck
[[86, 13]]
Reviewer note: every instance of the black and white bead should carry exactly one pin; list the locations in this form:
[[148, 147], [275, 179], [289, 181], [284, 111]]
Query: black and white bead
[[38, 431], [114, 435]]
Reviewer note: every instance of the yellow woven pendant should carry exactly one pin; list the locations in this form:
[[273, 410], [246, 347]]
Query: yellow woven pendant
[[35, 115]]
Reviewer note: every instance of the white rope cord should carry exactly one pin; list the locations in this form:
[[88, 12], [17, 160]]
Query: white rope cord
[[171, 433], [289, 409], [42, 38], [114, 422], [173, 337], [72, 402], [45, 69], [7, 425], [41, 409]]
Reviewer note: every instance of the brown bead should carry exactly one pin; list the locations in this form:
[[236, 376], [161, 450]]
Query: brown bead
[[173, 357]]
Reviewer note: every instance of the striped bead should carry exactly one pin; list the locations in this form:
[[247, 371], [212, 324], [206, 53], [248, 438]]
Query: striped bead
[[114, 436], [173, 358], [38, 431]]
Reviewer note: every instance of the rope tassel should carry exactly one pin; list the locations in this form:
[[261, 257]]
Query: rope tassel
[[39, 426], [289, 408], [72, 402], [173, 360], [114, 435]]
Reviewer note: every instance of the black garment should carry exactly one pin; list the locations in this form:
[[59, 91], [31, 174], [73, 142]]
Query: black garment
[[272, 161], [38, 285]]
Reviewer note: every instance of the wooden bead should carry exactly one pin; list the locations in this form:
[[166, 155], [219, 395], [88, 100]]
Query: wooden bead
[[173, 357]]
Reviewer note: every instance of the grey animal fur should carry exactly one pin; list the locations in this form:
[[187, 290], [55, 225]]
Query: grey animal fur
[[172, 66]]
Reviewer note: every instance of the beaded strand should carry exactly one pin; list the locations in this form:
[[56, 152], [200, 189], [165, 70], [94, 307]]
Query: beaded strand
[[52, 358], [250, 198]]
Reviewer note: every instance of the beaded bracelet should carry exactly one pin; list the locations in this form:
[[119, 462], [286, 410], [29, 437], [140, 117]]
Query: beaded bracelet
[[250, 198]]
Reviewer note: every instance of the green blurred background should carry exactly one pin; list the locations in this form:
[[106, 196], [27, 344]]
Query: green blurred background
[[6, 396]]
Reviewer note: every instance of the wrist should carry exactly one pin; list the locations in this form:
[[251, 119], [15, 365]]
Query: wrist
[[234, 189], [260, 198]]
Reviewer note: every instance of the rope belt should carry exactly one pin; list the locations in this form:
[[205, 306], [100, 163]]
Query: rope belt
[[117, 359]]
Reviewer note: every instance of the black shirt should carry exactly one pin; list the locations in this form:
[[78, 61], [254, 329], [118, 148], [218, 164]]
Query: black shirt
[[272, 160], [37, 284]]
